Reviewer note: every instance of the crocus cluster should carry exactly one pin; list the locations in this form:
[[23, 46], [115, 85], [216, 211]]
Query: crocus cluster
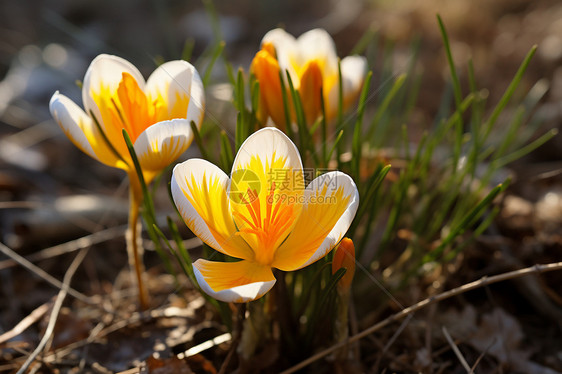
[[263, 213], [312, 63]]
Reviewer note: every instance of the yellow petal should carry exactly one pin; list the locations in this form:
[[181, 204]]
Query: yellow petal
[[199, 189], [332, 201], [266, 191], [310, 91], [236, 282], [287, 52], [113, 92], [266, 69], [104, 75], [82, 131]]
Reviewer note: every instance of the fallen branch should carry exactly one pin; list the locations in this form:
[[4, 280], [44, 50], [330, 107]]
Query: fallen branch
[[484, 281], [25, 323]]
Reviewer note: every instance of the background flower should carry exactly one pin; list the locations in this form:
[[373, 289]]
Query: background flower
[[312, 63]]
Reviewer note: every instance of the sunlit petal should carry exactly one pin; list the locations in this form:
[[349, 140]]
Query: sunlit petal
[[287, 52], [272, 147], [318, 45], [353, 70], [267, 182], [161, 144], [266, 69], [310, 91], [237, 282], [332, 201], [82, 131], [199, 189], [174, 87], [105, 73]]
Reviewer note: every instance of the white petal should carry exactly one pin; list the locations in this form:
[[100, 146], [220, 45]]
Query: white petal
[[72, 119], [353, 71], [322, 223], [196, 108], [107, 71], [178, 78], [81, 130], [162, 143], [266, 144], [238, 294], [335, 179], [317, 44]]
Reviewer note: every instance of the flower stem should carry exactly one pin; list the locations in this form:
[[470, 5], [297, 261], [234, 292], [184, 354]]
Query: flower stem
[[134, 241]]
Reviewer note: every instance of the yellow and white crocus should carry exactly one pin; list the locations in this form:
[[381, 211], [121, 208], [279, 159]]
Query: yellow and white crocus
[[156, 115], [261, 214], [312, 63]]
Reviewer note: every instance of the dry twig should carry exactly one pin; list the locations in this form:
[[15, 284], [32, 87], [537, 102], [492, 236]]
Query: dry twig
[[43, 274], [25, 323], [456, 350], [71, 246], [56, 309]]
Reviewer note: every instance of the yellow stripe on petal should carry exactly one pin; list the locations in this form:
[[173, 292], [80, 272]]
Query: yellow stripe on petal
[[199, 189], [233, 281], [332, 201], [266, 215], [266, 191]]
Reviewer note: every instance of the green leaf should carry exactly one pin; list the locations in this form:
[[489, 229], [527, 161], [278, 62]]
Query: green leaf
[[215, 55], [198, 141], [226, 154]]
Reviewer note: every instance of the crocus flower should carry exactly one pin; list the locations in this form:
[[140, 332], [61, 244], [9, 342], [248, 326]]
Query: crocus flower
[[312, 63], [262, 214], [156, 115]]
